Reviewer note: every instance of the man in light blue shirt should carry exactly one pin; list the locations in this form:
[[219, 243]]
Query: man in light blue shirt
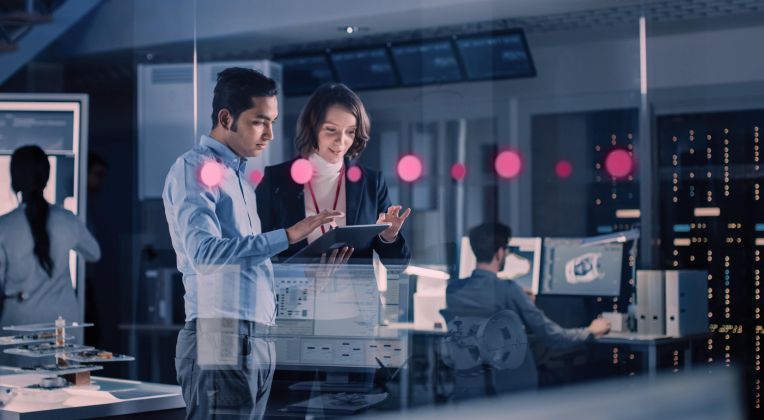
[[224, 360]]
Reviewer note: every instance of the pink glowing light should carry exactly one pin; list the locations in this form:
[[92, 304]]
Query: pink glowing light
[[211, 174], [354, 174], [508, 164], [619, 163], [563, 169], [458, 171], [302, 171], [409, 168], [255, 177]]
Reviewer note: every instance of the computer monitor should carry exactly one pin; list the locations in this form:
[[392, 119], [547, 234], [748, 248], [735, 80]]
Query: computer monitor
[[304, 73], [337, 323], [571, 268], [426, 62], [522, 265], [368, 68]]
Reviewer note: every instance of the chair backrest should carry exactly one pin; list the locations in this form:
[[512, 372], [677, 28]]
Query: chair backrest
[[476, 339]]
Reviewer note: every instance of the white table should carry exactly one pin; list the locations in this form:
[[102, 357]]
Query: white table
[[113, 397]]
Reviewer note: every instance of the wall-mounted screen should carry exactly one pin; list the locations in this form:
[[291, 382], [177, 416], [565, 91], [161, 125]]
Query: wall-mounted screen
[[364, 69], [496, 56], [303, 74], [426, 62]]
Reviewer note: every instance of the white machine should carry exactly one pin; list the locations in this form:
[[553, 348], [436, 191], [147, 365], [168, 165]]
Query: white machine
[[58, 123]]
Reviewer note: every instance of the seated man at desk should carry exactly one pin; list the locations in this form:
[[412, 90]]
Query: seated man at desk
[[483, 294]]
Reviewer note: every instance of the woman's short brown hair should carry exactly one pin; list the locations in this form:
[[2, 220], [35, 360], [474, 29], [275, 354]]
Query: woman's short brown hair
[[314, 114]]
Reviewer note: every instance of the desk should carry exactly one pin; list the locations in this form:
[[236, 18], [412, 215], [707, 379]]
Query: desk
[[649, 344], [114, 397], [412, 327], [430, 335]]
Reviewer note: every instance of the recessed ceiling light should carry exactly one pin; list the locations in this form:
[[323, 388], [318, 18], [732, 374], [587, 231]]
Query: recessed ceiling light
[[351, 29]]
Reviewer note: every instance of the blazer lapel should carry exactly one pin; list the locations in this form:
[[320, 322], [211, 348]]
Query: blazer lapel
[[293, 199], [296, 201], [353, 194]]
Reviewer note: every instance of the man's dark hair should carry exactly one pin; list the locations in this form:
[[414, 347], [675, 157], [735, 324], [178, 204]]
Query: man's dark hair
[[235, 88], [488, 238], [94, 159]]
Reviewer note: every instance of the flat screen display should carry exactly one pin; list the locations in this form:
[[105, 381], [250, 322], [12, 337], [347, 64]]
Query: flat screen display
[[303, 74], [364, 69], [521, 265], [426, 63], [497, 56], [52, 130], [572, 269]]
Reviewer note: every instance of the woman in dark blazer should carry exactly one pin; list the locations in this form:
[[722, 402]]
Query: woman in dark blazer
[[332, 131]]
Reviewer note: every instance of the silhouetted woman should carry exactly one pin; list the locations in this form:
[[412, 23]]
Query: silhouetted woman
[[35, 240]]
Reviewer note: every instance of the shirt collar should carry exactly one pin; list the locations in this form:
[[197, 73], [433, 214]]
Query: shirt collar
[[223, 153], [479, 272]]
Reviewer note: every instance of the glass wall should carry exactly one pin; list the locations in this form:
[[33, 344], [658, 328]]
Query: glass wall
[[706, 131], [610, 137]]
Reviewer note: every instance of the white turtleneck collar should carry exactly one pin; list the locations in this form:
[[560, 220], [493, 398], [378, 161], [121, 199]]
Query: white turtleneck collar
[[322, 167]]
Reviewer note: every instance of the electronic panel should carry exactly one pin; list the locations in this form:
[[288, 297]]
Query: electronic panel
[[337, 320], [51, 127], [496, 56], [303, 74], [426, 62], [713, 218], [364, 69]]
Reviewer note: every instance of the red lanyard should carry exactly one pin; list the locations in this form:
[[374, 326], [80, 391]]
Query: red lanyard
[[336, 194]]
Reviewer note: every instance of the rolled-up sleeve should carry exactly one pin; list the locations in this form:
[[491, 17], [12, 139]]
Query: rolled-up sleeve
[[86, 245], [3, 268], [191, 208]]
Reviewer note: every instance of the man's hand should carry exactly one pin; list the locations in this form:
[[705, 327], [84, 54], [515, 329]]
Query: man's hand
[[323, 272], [599, 327], [304, 227], [396, 221], [529, 293]]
